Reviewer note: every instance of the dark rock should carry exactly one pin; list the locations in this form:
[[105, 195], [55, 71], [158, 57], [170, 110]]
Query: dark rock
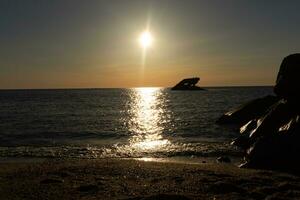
[[288, 80], [279, 114], [279, 118], [223, 159], [278, 150], [270, 126], [243, 140], [188, 84], [249, 127], [248, 111], [274, 143]]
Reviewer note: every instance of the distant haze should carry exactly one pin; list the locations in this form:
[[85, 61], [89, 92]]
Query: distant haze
[[91, 44]]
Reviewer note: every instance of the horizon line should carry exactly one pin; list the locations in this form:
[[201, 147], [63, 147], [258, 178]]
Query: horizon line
[[95, 88]]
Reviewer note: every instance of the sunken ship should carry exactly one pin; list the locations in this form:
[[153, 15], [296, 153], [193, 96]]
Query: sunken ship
[[188, 84]]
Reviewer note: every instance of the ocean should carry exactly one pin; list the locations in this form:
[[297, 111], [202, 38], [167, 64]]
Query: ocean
[[119, 123]]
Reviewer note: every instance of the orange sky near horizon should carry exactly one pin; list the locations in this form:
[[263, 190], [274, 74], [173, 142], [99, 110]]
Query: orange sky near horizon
[[59, 44]]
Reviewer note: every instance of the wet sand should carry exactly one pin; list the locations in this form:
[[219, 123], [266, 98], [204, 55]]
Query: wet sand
[[135, 179]]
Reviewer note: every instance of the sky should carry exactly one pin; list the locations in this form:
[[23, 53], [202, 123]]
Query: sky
[[94, 44]]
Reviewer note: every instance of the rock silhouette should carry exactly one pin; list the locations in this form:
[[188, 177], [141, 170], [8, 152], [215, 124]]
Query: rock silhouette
[[248, 111], [288, 82], [269, 126], [188, 84]]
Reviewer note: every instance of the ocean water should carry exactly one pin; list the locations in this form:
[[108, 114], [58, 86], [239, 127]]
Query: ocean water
[[119, 123]]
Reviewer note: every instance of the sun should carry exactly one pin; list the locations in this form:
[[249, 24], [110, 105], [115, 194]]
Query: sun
[[146, 39]]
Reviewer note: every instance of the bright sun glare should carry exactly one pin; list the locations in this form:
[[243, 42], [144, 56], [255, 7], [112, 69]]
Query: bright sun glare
[[145, 39]]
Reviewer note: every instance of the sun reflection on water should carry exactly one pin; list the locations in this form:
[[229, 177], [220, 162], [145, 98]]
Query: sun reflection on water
[[147, 115]]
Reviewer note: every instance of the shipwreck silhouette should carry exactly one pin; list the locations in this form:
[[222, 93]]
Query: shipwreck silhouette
[[188, 84]]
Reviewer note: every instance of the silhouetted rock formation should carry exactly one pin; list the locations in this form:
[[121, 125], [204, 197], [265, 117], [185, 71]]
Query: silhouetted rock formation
[[248, 111], [270, 133], [288, 79], [188, 84]]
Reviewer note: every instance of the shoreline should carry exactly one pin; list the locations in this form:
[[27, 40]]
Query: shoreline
[[136, 179], [233, 160]]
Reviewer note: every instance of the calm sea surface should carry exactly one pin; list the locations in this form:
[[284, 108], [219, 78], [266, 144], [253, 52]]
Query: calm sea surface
[[126, 123]]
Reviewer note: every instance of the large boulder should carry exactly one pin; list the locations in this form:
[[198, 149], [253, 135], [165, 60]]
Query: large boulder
[[277, 151], [288, 78], [266, 125], [246, 112], [279, 114], [270, 126], [272, 141]]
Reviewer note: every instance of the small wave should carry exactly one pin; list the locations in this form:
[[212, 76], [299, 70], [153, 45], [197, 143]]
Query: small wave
[[121, 151]]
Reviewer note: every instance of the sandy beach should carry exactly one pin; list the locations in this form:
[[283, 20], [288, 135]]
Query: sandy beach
[[133, 179]]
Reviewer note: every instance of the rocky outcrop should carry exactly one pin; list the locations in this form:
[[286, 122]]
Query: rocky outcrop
[[288, 79], [188, 84], [248, 111], [269, 126]]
